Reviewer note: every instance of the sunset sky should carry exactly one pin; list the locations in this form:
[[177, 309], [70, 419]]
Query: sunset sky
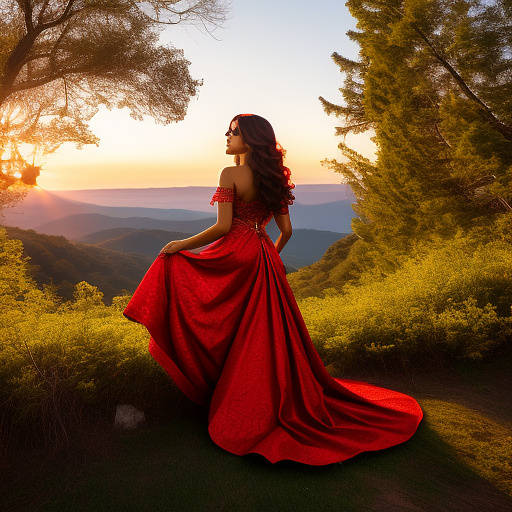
[[272, 59]]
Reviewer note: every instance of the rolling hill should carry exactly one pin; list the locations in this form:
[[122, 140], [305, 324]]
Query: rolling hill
[[74, 227], [148, 242], [304, 248], [42, 208], [56, 259]]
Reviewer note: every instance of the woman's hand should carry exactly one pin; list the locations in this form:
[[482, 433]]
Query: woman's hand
[[171, 247]]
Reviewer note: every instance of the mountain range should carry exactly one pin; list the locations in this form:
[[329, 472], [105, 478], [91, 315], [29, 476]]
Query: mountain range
[[41, 208], [112, 246], [194, 198]]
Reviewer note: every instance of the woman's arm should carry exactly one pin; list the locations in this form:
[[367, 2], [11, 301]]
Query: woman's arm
[[285, 226], [220, 228]]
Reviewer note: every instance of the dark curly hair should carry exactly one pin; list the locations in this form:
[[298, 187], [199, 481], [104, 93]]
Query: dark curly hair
[[273, 178]]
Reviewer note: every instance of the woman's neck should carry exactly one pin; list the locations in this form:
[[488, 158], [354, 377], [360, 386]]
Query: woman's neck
[[242, 158]]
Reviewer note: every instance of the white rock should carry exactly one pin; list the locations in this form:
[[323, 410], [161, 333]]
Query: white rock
[[128, 417]]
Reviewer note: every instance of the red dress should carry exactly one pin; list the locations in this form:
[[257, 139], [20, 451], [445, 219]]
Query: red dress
[[225, 326]]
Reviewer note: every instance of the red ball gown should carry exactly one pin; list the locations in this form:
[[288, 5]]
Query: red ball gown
[[225, 326]]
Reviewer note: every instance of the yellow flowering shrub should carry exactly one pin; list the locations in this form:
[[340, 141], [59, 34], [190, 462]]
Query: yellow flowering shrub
[[452, 303]]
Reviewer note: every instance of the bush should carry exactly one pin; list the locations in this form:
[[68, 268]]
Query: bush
[[54, 365], [453, 303], [57, 360]]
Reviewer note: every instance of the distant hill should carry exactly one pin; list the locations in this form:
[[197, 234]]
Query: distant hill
[[305, 247], [77, 226], [148, 242], [54, 258], [41, 208], [194, 198]]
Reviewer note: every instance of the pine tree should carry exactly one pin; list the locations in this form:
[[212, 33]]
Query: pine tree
[[434, 83]]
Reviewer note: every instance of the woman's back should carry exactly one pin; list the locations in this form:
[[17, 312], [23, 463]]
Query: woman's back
[[245, 182]]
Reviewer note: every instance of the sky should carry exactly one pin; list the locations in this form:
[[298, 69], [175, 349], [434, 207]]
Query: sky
[[271, 58]]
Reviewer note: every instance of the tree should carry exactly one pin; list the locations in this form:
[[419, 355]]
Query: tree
[[60, 60], [434, 82]]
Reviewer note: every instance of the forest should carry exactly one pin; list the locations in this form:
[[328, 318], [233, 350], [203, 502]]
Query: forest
[[424, 281]]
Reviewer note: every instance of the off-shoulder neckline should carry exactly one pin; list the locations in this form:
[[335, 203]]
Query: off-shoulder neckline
[[237, 198]]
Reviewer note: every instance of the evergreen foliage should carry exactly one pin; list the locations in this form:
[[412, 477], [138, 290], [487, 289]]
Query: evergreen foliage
[[434, 82]]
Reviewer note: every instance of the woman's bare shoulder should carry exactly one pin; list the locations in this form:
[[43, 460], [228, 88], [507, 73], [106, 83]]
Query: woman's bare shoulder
[[244, 168], [245, 182], [226, 177], [238, 174]]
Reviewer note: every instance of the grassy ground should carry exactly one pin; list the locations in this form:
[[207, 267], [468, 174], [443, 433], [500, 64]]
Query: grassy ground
[[459, 460]]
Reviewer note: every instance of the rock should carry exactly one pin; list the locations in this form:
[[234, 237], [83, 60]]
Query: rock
[[128, 417]]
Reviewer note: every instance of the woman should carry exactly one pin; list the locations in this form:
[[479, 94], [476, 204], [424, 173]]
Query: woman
[[225, 326]]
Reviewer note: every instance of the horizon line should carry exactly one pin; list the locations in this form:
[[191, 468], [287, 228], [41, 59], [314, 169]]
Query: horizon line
[[153, 188]]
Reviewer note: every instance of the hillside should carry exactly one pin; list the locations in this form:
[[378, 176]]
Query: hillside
[[304, 248], [147, 242], [56, 259], [325, 273], [74, 227]]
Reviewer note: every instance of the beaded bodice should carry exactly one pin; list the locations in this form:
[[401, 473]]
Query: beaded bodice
[[253, 213]]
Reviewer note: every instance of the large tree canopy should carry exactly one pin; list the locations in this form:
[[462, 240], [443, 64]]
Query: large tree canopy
[[60, 60], [434, 82]]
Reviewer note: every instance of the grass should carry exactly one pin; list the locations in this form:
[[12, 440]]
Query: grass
[[457, 461], [481, 443]]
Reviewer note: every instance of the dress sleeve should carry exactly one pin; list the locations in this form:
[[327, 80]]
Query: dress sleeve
[[223, 195]]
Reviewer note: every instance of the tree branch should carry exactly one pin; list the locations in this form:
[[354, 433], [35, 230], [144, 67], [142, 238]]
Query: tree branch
[[31, 84], [27, 9], [503, 128], [61, 19], [42, 11], [19, 56], [36, 56], [343, 130]]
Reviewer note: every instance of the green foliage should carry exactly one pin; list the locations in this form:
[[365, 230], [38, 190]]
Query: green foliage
[[56, 359], [433, 83], [452, 303], [61, 264]]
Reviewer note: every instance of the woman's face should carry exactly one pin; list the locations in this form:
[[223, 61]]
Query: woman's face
[[235, 144]]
